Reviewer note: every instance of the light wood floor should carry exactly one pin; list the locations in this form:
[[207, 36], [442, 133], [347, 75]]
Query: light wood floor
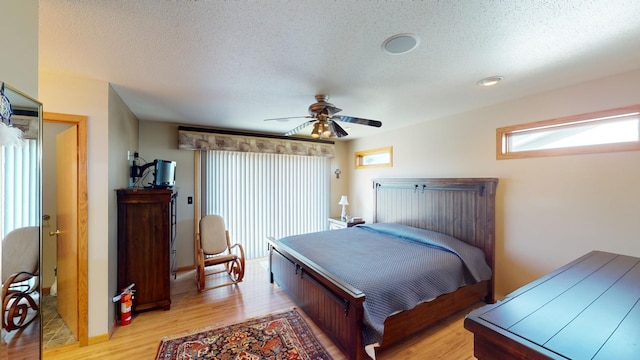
[[255, 296]]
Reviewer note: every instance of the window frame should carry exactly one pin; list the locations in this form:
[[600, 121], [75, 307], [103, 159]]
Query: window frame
[[360, 155], [502, 134]]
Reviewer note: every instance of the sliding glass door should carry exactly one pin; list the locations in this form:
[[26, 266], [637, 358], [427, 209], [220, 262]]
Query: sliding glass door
[[262, 195]]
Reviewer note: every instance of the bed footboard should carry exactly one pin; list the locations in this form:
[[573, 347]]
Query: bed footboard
[[404, 324], [333, 307]]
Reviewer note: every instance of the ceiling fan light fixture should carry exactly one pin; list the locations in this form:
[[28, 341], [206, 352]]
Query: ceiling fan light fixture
[[400, 44], [316, 132], [327, 130], [324, 120], [490, 81], [332, 130]]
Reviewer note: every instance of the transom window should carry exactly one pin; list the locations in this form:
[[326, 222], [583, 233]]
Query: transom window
[[604, 131], [381, 157]]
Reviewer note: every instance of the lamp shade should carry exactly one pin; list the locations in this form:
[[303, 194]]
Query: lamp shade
[[343, 200]]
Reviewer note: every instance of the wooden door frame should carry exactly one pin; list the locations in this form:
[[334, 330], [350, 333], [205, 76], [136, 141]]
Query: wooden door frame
[[80, 122]]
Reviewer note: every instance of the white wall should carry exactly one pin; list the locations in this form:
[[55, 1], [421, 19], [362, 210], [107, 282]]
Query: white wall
[[549, 210], [79, 96]]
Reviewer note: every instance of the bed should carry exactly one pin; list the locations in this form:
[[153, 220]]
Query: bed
[[463, 208]]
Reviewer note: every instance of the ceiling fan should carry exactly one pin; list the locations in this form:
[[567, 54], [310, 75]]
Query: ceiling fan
[[323, 117]]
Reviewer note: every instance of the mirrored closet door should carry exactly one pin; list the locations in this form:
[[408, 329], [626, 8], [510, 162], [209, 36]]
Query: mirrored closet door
[[20, 224]]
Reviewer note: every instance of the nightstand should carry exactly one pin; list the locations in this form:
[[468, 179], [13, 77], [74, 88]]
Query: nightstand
[[338, 223]]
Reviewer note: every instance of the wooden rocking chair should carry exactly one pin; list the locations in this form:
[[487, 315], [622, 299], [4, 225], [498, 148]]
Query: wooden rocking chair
[[20, 280], [213, 247]]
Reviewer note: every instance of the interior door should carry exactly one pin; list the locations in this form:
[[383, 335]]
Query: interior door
[[67, 220]]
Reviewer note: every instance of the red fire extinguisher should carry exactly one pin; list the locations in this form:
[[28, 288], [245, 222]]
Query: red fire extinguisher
[[126, 302], [125, 308]]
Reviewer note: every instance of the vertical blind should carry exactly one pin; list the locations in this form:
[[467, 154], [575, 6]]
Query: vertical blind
[[261, 195], [20, 190]]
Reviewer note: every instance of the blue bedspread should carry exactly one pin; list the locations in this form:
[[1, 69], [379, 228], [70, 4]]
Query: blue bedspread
[[397, 267]]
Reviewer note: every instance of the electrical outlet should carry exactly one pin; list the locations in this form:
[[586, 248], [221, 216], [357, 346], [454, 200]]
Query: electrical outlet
[[189, 200], [128, 155]]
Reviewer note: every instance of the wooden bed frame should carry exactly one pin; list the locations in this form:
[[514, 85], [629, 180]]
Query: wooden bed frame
[[463, 208]]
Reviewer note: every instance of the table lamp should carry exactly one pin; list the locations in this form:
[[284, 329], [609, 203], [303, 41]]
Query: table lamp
[[344, 202]]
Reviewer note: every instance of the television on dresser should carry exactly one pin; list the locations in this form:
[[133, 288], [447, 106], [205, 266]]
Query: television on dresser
[[164, 175]]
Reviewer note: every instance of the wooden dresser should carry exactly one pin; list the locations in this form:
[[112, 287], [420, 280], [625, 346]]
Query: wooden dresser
[[146, 250], [588, 309]]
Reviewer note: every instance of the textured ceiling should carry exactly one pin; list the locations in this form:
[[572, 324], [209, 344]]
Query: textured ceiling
[[231, 64]]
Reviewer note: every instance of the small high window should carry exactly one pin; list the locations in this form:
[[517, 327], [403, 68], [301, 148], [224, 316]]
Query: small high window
[[604, 131], [381, 157]]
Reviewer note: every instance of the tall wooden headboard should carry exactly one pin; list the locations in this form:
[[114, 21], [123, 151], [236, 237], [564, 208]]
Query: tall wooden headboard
[[460, 207]]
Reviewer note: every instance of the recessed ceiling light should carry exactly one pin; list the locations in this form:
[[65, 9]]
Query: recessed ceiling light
[[490, 81], [400, 44]]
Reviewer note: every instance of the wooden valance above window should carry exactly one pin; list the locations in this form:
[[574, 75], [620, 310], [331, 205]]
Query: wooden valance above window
[[190, 138]]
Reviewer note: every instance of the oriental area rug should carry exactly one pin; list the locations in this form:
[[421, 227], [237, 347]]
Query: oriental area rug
[[284, 335]]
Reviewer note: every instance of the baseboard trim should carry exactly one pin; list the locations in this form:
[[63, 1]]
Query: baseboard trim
[[98, 339], [186, 268]]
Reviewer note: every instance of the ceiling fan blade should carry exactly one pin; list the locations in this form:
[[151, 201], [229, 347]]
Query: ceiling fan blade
[[355, 120], [331, 110], [283, 119], [339, 131], [299, 127]]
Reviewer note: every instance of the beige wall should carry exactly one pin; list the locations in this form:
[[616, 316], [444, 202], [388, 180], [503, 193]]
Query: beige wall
[[549, 210], [19, 60], [20, 69], [123, 137], [19, 44], [159, 140], [340, 186], [78, 96]]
